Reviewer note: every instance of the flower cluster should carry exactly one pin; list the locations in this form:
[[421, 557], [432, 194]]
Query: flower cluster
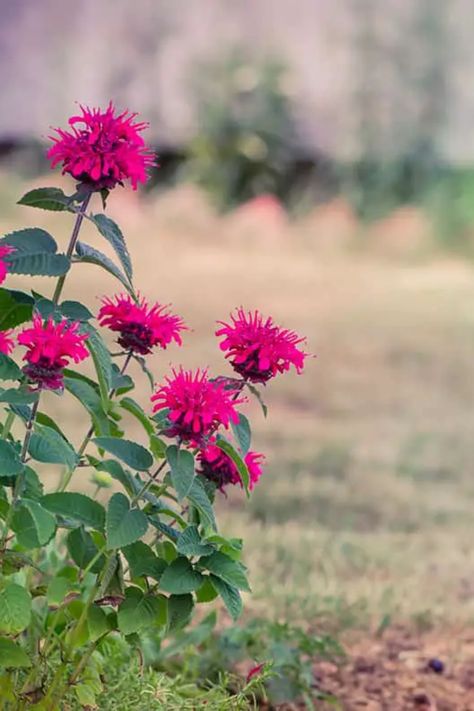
[[141, 326], [5, 250], [102, 150], [258, 349], [197, 405], [219, 468], [50, 346]]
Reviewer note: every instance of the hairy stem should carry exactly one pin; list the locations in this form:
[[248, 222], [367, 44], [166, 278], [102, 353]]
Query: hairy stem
[[67, 478], [72, 243], [20, 477]]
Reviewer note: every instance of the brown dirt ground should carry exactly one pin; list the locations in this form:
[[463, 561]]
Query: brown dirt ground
[[391, 673]]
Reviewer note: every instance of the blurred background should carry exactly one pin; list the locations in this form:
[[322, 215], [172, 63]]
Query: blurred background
[[317, 163]]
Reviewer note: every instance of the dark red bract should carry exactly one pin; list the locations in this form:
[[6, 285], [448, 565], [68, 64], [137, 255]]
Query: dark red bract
[[197, 405], [141, 326], [102, 150], [257, 348], [50, 347], [218, 467]]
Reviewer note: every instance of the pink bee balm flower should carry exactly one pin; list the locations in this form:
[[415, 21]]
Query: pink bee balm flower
[[141, 326], [197, 405], [5, 250], [50, 347], [257, 348], [103, 149], [218, 467], [6, 343]]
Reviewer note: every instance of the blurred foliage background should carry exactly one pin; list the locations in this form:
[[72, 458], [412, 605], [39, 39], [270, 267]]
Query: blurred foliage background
[[364, 101]]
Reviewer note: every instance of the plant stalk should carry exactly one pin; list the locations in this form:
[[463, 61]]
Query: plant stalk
[[72, 244]]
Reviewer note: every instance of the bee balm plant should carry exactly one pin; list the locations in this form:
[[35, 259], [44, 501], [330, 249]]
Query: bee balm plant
[[75, 570]]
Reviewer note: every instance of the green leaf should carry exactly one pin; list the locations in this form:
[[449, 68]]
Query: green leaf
[[131, 453], [15, 609], [75, 311], [89, 255], [200, 500], [236, 458], [207, 591], [10, 463], [131, 406], [47, 445], [230, 596], [46, 199], [138, 611], [117, 472], [30, 240], [180, 608], [43, 419], [12, 656], [46, 308], [9, 369], [158, 447], [39, 264], [257, 394], [180, 577], [242, 433], [32, 524], [57, 590], [102, 362], [77, 507], [230, 571], [124, 525], [113, 234], [143, 561], [82, 549], [97, 622], [15, 308], [190, 543], [21, 396], [182, 469], [121, 382], [89, 398], [32, 486]]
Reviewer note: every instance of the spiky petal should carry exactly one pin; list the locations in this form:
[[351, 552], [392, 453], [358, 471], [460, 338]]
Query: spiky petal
[[6, 343], [5, 250]]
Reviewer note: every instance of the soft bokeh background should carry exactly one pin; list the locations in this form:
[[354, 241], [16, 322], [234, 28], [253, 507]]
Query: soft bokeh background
[[317, 162]]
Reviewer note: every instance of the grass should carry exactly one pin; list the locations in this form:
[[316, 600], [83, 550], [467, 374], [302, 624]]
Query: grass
[[365, 509]]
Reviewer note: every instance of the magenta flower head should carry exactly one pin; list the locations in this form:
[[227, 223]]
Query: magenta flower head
[[141, 326], [6, 343], [102, 149], [219, 468], [5, 250], [50, 346], [197, 405], [258, 349]]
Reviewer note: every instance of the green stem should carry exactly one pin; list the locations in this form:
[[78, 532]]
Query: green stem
[[147, 485], [69, 474], [72, 244], [8, 425], [20, 477]]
